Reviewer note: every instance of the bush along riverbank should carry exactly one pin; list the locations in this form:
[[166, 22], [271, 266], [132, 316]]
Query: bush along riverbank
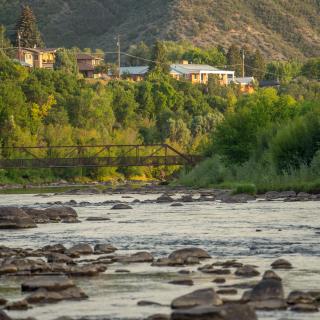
[[269, 142]]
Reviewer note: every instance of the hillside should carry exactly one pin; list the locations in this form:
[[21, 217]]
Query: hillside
[[280, 28]]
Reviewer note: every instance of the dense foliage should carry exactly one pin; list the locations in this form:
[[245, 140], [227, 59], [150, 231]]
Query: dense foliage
[[47, 108], [270, 140]]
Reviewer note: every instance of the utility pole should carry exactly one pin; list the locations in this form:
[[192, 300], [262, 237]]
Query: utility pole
[[243, 57], [19, 45], [119, 56]]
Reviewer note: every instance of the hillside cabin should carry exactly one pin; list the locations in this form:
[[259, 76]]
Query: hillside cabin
[[200, 73], [38, 58], [195, 73], [87, 64]]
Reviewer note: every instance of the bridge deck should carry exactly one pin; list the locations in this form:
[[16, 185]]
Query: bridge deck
[[129, 161]]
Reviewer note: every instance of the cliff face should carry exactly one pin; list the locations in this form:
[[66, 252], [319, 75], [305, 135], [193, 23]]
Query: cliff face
[[279, 28]]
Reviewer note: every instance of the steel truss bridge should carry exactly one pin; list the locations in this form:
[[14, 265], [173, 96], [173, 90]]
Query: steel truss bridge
[[94, 156]]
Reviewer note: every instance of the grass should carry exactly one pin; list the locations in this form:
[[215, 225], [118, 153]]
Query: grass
[[251, 178]]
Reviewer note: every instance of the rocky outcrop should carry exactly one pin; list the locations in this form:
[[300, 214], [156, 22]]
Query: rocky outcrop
[[121, 206], [49, 283], [80, 249], [104, 248], [15, 218]]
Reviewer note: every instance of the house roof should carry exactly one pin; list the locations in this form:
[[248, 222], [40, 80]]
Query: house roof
[[40, 50], [269, 83], [177, 69], [138, 70], [197, 68]]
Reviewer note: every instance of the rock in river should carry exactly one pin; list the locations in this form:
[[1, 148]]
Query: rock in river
[[80, 249], [268, 294], [281, 264], [15, 218], [142, 256], [45, 296], [52, 283], [189, 252], [228, 312], [4, 316], [121, 206], [203, 297], [60, 213], [104, 248], [247, 271]]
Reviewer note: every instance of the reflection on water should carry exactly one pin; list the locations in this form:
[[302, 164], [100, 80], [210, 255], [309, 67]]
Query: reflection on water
[[288, 230]]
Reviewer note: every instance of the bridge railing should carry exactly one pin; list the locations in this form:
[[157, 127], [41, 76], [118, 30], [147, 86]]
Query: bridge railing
[[94, 156]]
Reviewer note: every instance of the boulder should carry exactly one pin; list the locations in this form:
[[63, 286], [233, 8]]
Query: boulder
[[86, 270], [269, 274], [121, 206], [281, 264], [227, 291], [189, 252], [182, 282], [165, 262], [288, 194], [59, 258], [272, 195], [50, 283], [144, 303], [38, 216], [165, 199], [142, 256], [176, 204], [104, 248], [98, 219], [25, 265], [59, 248], [60, 213], [247, 271], [3, 301], [268, 294], [45, 296], [228, 312], [18, 305], [299, 297], [4, 316], [80, 249], [15, 218], [203, 297]]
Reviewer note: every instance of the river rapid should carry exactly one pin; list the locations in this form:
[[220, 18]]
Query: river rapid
[[256, 232]]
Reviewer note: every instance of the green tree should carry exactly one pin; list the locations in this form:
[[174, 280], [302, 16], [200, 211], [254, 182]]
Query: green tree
[[4, 41], [234, 60], [136, 51], [257, 66], [159, 59], [66, 61], [311, 69], [27, 29]]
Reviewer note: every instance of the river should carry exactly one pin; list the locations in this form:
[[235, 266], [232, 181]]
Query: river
[[289, 230]]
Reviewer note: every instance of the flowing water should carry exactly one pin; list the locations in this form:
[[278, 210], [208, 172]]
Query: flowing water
[[226, 231]]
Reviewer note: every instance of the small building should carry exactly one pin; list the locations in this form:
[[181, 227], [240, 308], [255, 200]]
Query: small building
[[134, 73], [200, 73], [246, 84], [38, 58], [87, 64], [195, 73]]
